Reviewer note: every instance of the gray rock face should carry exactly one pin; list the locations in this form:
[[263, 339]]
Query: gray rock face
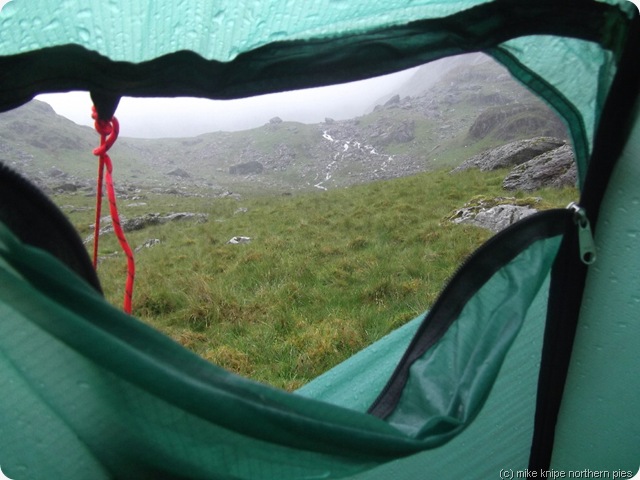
[[511, 154], [144, 221], [492, 214], [555, 168], [246, 168], [500, 217], [395, 100], [179, 172], [238, 240], [152, 242]]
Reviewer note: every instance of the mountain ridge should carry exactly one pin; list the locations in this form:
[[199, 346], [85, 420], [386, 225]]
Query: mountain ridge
[[471, 105]]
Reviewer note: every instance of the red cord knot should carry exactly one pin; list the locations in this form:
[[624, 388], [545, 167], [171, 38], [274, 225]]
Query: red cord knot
[[108, 130]]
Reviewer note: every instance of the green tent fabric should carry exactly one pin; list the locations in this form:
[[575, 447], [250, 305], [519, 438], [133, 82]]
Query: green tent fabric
[[526, 361]]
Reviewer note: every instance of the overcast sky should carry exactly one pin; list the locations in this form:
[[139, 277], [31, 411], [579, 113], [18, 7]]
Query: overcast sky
[[184, 117]]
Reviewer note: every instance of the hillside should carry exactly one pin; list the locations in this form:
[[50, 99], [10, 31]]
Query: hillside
[[292, 273], [468, 107], [320, 274]]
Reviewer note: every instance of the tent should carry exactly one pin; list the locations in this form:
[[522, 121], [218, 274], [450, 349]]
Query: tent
[[526, 366]]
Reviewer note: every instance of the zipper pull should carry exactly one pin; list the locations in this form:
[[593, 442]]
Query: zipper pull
[[585, 237]]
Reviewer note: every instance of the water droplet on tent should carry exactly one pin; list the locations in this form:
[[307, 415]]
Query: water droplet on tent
[[84, 34], [341, 4], [114, 7], [217, 17], [276, 36], [234, 52], [84, 14], [52, 25], [83, 385]]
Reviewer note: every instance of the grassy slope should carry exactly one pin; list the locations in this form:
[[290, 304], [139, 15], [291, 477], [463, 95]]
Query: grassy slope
[[325, 274]]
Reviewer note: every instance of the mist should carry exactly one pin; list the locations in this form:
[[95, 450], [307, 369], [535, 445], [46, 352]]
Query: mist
[[187, 116]]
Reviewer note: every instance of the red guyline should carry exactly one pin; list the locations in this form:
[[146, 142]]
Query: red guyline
[[108, 131]]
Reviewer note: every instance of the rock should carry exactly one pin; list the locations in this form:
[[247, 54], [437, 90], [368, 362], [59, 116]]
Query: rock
[[555, 168], [275, 120], [402, 132], [56, 172], [66, 187], [511, 154], [500, 217], [152, 242], [393, 101], [179, 172], [493, 214], [246, 168], [144, 221], [239, 239], [515, 120]]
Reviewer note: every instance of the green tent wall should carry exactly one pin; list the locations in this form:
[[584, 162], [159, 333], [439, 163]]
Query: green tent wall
[[89, 392]]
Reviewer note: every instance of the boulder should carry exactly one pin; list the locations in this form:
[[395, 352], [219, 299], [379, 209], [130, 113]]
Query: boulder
[[501, 216], [513, 153], [56, 172], [494, 214], [179, 172], [555, 168], [395, 100], [152, 242], [246, 168], [507, 122], [144, 221], [238, 240]]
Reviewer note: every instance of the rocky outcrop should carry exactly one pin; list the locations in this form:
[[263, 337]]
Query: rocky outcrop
[[144, 221], [434, 120], [401, 132], [179, 172], [555, 168], [494, 214], [246, 168], [507, 122], [511, 154], [238, 239], [395, 100], [152, 242]]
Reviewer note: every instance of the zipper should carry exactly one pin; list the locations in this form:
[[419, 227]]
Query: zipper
[[585, 236]]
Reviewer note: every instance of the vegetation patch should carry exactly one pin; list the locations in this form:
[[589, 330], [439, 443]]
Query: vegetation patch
[[325, 274]]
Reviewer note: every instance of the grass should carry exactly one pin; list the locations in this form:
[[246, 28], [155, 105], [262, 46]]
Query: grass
[[325, 273]]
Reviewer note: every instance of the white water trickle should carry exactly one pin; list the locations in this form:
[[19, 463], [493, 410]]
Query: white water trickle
[[327, 136]]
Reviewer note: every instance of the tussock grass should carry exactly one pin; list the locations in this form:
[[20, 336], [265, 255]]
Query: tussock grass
[[325, 273]]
